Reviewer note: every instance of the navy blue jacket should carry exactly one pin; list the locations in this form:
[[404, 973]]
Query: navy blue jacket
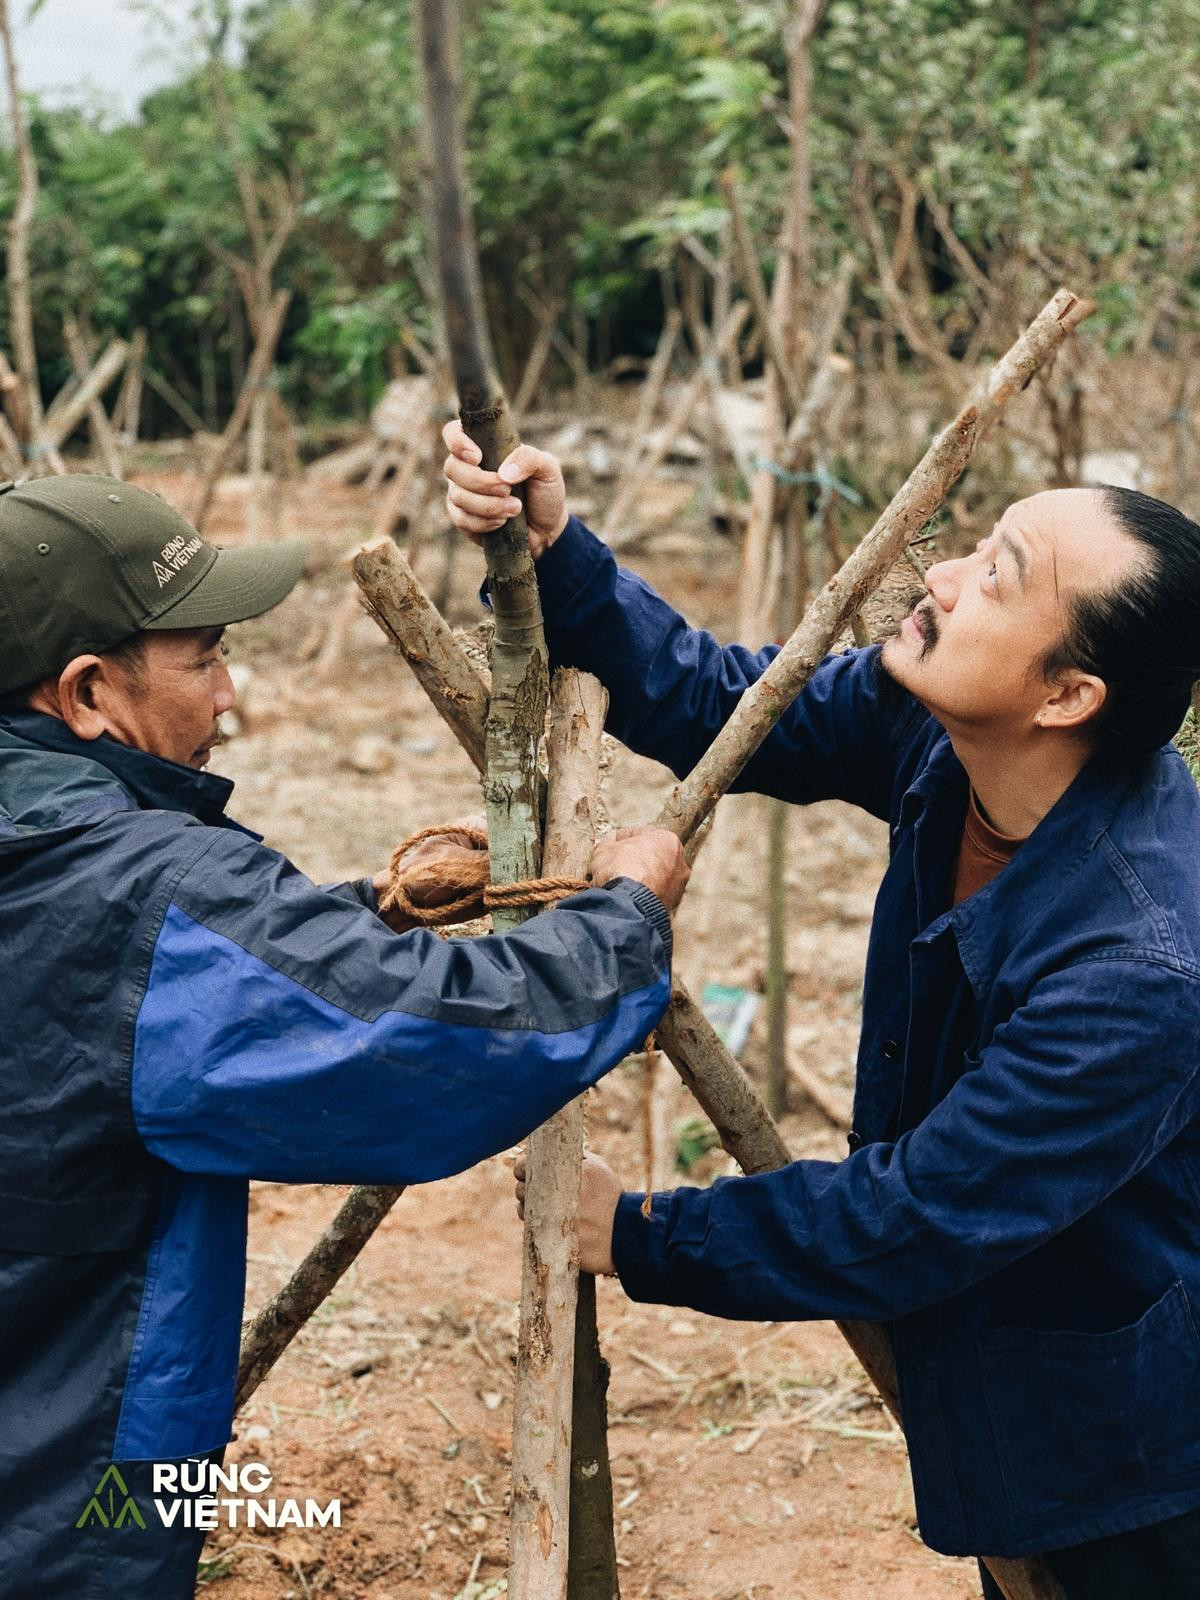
[[1022, 1200], [182, 1010]]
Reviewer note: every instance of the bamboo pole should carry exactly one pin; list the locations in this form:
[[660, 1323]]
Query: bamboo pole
[[539, 1540]]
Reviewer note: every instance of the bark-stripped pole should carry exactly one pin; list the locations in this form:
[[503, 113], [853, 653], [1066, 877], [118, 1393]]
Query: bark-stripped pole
[[541, 1465], [910, 508]]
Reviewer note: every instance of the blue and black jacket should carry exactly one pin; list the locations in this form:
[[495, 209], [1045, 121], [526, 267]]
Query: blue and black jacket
[[182, 1010], [1022, 1200]]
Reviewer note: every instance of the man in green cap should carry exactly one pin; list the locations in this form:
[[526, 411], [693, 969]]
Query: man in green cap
[[182, 1010]]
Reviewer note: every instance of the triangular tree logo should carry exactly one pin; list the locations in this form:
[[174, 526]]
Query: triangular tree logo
[[105, 1508], [163, 574]]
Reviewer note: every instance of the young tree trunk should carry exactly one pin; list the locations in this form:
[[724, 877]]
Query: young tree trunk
[[517, 714], [19, 298]]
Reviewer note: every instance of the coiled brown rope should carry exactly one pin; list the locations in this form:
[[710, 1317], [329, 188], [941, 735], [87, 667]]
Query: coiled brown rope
[[455, 888]]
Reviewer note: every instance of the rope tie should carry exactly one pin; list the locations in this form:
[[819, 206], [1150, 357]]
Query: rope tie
[[451, 890]]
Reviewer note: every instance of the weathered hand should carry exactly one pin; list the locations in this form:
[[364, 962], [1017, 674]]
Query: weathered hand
[[650, 855], [424, 882], [479, 502], [599, 1191]]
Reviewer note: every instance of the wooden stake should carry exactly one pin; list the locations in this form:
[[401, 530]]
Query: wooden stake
[[910, 508], [751, 275], [257, 371], [167, 391], [656, 377], [128, 409], [623, 504], [68, 411], [279, 1321], [103, 436], [538, 1529], [406, 614]]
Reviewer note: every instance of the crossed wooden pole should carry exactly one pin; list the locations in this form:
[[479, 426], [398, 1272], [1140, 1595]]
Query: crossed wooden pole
[[460, 693]]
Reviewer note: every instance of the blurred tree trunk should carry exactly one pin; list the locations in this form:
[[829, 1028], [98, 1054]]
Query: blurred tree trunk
[[20, 303]]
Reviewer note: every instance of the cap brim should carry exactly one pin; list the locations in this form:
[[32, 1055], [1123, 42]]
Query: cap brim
[[243, 581]]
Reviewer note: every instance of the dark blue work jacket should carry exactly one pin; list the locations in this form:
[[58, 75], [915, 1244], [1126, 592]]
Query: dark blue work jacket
[[1022, 1200], [181, 1010]]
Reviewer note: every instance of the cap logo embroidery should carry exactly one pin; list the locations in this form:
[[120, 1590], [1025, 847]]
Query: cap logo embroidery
[[175, 556]]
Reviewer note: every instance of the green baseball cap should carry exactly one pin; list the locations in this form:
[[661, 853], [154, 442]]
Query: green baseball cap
[[87, 561]]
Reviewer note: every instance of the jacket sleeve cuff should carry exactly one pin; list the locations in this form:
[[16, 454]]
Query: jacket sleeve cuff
[[649, 905], [360, 890], [567, 567], [637, 1250]]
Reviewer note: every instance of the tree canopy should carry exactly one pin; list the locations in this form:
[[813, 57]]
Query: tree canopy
[[976, 145]]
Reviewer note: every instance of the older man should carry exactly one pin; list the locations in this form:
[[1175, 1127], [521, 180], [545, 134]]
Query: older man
[[182, 1010], [1022, 1198]]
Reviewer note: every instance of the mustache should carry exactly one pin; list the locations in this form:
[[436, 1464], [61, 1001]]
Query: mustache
[[924, 613]]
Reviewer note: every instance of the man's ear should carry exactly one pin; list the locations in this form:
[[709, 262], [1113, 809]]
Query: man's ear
[[1077, 697], [80, 693]]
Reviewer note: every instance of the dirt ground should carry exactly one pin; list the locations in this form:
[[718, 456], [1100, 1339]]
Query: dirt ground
[[751, 1461]]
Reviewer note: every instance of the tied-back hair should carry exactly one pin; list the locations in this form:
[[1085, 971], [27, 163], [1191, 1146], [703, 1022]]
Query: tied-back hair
[[1141, 637]]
